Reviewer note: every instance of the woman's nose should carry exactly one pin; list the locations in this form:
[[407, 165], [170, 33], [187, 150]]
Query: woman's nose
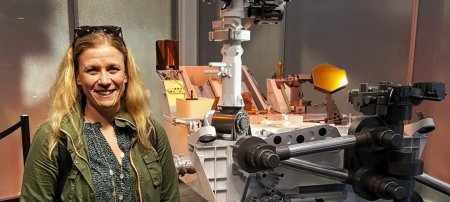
[[104, 79]]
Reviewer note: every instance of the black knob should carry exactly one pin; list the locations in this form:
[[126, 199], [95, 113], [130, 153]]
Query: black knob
[[392, 139], [269, 159], [388, 138], [395, 191]]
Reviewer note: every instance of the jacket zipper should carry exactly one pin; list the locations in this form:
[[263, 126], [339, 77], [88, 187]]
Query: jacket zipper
[[73, 145], [137, 175], [132, 164]]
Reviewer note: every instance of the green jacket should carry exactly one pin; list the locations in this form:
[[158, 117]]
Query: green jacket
[[153, 174]]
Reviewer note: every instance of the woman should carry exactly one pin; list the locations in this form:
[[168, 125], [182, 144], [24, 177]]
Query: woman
[[100, 119]]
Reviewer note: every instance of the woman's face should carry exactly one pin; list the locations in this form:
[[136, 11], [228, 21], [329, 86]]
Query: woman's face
[[101, 75]]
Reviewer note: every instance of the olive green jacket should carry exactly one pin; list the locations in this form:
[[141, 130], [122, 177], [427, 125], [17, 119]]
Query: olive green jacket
[[153, 175]]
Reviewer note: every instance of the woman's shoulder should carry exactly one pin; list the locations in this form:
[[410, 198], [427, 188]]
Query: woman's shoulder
[[156, 124], [158, 128], [45, 127], [43, 133], [41, 140]]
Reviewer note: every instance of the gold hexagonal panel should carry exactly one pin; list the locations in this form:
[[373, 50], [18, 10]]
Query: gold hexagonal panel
[[329, 78]]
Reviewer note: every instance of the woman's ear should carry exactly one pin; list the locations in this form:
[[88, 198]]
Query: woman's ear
[[78, 80]]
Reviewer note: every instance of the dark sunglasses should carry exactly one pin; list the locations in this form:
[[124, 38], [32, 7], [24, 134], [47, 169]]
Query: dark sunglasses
[[111, 30]]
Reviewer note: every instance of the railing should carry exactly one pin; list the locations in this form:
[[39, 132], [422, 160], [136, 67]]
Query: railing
[[24, 125]]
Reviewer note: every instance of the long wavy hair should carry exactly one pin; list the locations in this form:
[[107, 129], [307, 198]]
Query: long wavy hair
[[68, 99]]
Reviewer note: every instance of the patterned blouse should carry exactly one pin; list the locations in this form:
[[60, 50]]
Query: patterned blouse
[[111, 180]]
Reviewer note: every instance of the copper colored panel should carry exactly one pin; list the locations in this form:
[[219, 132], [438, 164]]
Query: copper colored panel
[[329, 78], [167, 55]]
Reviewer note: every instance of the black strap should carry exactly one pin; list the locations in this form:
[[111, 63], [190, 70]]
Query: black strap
[[64, 166]]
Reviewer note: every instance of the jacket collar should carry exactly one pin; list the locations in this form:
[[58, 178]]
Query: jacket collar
[[122, 119]]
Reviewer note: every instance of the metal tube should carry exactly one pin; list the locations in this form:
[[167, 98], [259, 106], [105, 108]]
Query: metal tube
[[434, 183], [25, 129], [317, 169], [321, 145]]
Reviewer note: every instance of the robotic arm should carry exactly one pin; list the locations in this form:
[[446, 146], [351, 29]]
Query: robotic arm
[[230, 120], [377, 165]]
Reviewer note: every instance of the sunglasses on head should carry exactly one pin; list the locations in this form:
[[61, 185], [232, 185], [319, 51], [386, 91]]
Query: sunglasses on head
[[111, 30]]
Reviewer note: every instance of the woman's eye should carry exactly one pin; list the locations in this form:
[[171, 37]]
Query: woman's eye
[[90, 70], [114, 69]]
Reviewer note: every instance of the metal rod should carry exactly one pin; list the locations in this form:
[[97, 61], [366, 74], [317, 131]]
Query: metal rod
[[434, 183], [318, 169], [321, 145], [9, 130], [25, 129]]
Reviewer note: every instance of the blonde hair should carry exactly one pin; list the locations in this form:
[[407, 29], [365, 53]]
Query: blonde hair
[[67, 97]]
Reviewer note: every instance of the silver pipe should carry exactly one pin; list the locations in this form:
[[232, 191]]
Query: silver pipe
[[321, 145], [317, 169], [434, 183]]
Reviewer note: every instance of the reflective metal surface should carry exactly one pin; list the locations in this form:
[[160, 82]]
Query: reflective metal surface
[[329, 78], [167, 55]]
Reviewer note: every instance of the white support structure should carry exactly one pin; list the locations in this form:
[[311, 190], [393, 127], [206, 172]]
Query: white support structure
[[230, 30]]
